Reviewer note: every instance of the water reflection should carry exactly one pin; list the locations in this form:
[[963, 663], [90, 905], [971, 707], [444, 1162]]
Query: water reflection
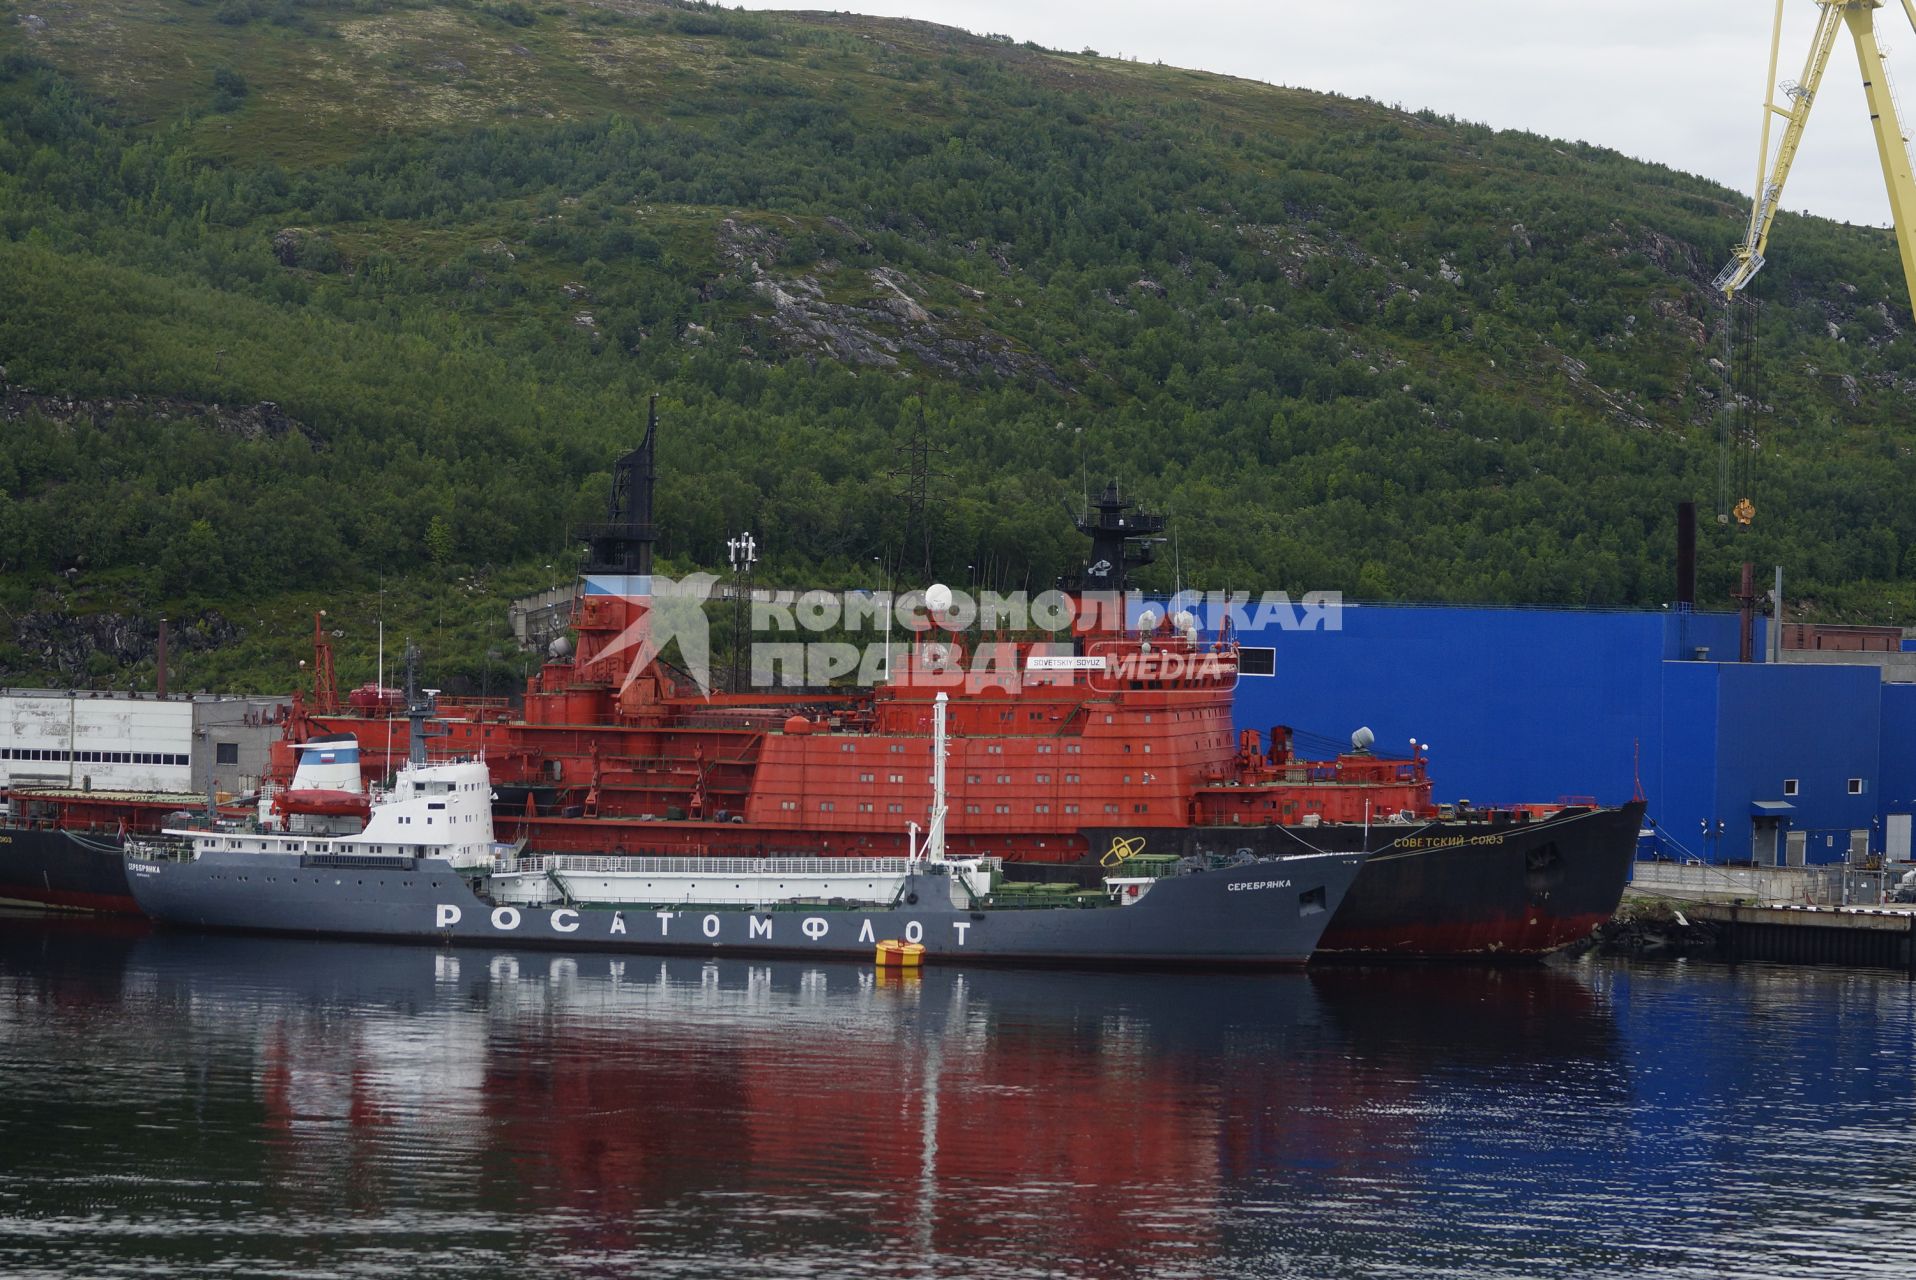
[[186, 1103]]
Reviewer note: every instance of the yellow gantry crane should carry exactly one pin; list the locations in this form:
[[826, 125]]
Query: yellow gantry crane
[[1800, 95], [1792, 100]]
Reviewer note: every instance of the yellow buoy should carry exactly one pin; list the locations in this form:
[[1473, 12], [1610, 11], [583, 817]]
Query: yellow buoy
[[903, 955]]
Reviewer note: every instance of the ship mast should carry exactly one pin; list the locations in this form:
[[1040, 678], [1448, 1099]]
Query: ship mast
[[934, 846]]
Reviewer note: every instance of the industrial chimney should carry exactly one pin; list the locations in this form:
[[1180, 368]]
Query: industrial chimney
[[1686, 556]]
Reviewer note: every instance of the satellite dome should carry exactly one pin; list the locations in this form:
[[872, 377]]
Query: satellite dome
[[1148, 620], [560, 647], [1184, 620], [1361, 740], [937, 597]]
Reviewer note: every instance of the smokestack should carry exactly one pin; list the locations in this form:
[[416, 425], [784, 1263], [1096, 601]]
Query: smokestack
[[1686, 556], [1746, 615], [160, 683]]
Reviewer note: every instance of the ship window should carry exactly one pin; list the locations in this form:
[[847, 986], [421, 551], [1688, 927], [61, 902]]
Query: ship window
[[1856, 786], [1041, 777], [1256, 661], [1140, 808], [788, 804], [864, 806], [1107, 719], [867, 777], [827, 806], [1110, 808], [971, 808], [1003, 808], [1071, 808], [1071, 777], [1004, 777], [897, 777], [1789, 786], [1074, 748], [1147, 748], [971, 777], [1044, 748], [226, 753], [894, 808], [1147, 717], [1043, 808]]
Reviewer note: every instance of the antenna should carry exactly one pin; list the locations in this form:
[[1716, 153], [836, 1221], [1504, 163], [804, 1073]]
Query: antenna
[[1177, 561], [918, 474]]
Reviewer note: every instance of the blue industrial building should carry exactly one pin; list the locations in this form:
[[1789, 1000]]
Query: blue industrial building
[[1773, 763]]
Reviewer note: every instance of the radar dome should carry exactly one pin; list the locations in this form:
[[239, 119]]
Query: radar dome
[[1184, 620], [1361, 740], [937, 597], [560, 647], [1148, 620]]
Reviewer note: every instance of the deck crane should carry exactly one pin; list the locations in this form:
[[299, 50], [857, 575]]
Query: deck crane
[[1798, 96]]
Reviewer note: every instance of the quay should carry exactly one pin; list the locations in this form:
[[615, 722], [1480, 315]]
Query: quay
[[1799, 915]]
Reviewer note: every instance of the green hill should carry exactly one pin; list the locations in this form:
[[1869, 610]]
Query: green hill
[[297, 299]]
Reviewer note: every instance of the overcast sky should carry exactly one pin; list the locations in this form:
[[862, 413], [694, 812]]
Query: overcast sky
[[1676, 81]]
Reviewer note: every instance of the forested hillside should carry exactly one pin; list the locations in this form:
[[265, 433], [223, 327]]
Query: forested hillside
[[300, 299]]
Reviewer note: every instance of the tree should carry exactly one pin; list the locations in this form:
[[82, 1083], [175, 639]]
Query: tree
[[439, 542]]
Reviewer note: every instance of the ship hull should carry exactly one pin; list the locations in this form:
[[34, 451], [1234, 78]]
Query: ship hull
[[46, 867], [1468, 895], [1262, 914], [1450, 890]]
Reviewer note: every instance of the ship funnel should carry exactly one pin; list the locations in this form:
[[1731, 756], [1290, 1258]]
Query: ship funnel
[[1686, 555], [330, 763]]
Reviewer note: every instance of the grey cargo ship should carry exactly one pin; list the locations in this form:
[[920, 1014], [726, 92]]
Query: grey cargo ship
[[425, 868]]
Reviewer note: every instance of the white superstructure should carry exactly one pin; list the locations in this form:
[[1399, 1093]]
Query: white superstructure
[[433, 811]]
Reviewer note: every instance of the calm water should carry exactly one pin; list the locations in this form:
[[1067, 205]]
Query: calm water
[[207, 1106]]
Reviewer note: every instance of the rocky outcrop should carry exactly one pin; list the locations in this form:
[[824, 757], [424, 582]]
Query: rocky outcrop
[[65, 643], [259, 421], [876, 318]]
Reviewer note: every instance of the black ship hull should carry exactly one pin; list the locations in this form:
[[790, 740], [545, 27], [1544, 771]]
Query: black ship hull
[[76, 871], [1448, 889]]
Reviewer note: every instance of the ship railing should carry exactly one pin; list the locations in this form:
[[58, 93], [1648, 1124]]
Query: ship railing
[[159, 848], [607, 864], [360, 861], [639, 864]]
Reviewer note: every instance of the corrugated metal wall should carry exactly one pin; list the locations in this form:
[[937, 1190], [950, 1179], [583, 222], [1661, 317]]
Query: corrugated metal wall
[[1535, 704]]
